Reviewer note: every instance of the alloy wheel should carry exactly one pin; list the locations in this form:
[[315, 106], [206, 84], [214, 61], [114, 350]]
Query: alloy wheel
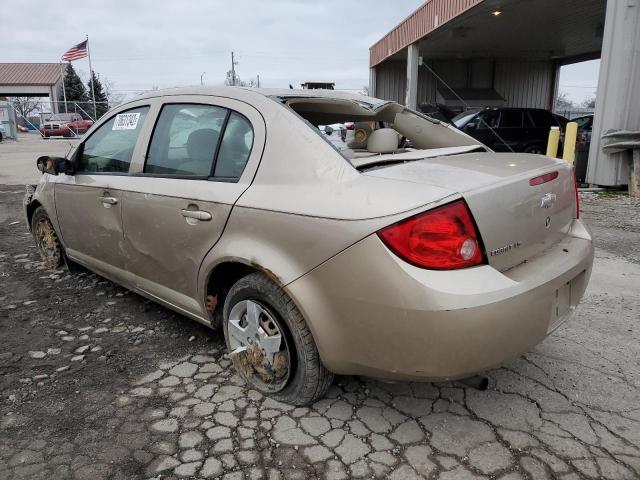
[[257, 340], [47, 242]]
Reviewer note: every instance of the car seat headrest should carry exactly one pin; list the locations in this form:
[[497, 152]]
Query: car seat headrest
[[383, 140], [201, 144], [361, 132]]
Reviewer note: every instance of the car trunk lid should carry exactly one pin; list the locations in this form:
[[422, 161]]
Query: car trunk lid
[[518, 217]]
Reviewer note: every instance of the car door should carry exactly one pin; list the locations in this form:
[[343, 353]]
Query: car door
[[542, 121], [511, 132], [483, 128], [89, 202], [201, 156]]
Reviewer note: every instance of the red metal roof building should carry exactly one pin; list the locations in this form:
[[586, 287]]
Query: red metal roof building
[[30, 80], [509, 53]]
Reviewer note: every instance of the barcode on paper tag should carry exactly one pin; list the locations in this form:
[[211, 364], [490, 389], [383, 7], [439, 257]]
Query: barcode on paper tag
[[126, 121]]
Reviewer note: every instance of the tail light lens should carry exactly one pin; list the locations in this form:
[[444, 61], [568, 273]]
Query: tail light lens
[[444, 238]]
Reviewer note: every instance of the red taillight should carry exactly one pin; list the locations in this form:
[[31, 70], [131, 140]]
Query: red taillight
[[444, 238], [547, 177]]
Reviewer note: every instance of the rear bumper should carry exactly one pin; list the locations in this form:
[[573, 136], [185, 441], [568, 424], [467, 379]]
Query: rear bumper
[[373, 314]]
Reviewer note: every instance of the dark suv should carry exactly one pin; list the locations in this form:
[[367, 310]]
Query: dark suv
[[522, 129]]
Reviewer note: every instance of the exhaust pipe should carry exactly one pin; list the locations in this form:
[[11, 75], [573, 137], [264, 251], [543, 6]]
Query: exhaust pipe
[[479, 382]]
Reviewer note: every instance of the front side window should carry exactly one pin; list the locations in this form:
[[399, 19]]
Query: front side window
[[109, 149], [487, 119], [185, 140]]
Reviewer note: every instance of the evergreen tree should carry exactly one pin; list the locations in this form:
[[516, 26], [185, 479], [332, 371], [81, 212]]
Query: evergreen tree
[[102, 102], [75, 91]]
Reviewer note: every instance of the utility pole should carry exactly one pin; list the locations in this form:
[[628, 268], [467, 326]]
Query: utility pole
[[258, 76], [233, 70]]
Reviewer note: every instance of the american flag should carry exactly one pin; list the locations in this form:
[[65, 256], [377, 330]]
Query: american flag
[[76, 52]]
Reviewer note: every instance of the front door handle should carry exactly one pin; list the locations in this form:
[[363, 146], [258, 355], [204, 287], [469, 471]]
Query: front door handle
[[196, 215], [108, 200]]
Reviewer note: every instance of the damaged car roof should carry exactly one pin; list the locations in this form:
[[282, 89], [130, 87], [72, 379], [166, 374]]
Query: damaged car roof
[[283, 93]]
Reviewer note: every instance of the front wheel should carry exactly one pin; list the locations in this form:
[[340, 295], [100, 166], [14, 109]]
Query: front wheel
[[270, 343], [46, 239]]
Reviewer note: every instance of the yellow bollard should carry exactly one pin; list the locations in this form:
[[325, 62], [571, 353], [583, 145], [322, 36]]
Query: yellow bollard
[[570, 137], [554, 140]]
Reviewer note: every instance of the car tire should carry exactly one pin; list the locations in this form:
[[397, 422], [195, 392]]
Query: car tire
[[306, 379], [47, 241], [535, 149]]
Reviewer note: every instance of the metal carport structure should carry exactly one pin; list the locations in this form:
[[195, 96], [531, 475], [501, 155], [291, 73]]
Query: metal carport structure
[[512, 51], [31, 80]]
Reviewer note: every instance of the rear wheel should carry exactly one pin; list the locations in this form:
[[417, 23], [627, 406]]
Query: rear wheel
[[270, 343], [535, 149], [46, 238]]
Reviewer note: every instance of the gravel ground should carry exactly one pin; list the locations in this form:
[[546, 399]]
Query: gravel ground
[[98, 383]]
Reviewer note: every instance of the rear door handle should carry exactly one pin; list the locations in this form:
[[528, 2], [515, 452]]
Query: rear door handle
[[196, 215], [108, 200]]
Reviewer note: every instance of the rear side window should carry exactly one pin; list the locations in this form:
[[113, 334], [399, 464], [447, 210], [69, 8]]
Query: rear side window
[[185, 140], [109, 149], [199, 141], [542, 119], [235, 148], [511, 119]]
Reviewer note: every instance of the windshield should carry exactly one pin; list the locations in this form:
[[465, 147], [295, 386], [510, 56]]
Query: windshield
[[463, 118]]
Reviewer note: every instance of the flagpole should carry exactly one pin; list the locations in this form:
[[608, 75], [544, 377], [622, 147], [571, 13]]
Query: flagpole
[[64, 89], [93, 93]]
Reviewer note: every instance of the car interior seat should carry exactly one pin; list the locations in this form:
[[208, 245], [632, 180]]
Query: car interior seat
[[201, 146], [383, 140]]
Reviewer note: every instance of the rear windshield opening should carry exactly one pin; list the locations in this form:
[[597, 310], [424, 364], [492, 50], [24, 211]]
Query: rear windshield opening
[[389, 133]]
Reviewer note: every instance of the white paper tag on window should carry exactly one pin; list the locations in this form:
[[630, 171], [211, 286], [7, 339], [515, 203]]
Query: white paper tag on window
[[126, 121]]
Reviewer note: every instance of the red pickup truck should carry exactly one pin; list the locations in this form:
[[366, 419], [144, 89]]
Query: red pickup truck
[[65, 125]]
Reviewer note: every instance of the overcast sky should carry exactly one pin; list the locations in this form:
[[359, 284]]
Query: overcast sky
[[140, 44]]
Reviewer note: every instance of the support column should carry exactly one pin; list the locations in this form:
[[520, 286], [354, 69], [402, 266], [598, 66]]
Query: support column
[[618, 87], [55, 107], [372, 82], [411, 99]]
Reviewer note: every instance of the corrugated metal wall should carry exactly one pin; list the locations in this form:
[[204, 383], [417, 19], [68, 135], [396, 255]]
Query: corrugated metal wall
[[520, 83], [391, 81], [525, 84]]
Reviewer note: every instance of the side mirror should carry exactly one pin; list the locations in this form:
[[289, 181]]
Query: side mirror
[[54, 165], [328, 130]]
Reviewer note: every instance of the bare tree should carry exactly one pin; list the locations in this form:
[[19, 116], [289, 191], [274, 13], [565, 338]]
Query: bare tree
[[25, 107], [233, 79], [114, 98], [589, 102], [564, 102], [365, 90]]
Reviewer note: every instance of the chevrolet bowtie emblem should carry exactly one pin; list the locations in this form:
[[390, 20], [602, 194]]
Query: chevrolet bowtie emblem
[[548, 200]]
